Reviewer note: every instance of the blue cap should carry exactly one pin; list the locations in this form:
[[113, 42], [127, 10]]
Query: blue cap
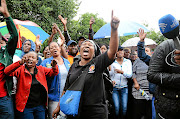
[[120, 48], [70, 42], [167, 23]]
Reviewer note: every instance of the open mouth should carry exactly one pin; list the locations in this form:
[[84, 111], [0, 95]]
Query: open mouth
[[86, 51]]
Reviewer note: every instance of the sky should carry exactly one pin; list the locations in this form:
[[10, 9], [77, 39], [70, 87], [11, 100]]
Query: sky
[[140, 11]]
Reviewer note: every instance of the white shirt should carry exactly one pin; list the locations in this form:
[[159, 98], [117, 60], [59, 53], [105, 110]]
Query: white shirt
[[121, 79]]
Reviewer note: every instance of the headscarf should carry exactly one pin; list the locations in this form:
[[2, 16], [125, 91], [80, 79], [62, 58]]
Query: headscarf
[[97, 50], [33, 47]]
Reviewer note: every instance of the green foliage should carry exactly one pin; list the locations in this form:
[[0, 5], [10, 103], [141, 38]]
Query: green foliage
[[43, 12], [81, 27]]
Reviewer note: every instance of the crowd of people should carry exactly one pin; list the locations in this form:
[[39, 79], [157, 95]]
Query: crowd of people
[[117, 83]]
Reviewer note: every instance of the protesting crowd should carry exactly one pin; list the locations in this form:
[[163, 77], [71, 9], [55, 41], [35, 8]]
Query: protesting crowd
[[80, 79]]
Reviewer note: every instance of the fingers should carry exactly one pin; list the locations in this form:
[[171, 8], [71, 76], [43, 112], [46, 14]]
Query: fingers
[[60, 17], [66, 19]]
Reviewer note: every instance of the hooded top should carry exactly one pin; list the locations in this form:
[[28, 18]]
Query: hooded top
[[33, 47]]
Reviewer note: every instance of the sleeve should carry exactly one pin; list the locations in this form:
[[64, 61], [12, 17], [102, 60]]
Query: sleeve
[[43, 63], [128, 71], [67, 37], [12, 42], [156, 72], [141, 53], [103, 61], [134, 75], [11, 70], [91, 34], [51, 71]]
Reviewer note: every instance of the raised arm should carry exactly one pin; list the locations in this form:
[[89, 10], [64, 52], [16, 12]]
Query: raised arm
[[114, 40], [66, 34], [63, 50], [54, 31], [91, 32], [12, 42], [141, 49]]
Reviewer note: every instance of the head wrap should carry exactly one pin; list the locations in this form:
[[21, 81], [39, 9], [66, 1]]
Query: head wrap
[[33, 47]]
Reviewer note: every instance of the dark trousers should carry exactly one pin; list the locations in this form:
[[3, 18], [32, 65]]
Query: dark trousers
[[142, 108]]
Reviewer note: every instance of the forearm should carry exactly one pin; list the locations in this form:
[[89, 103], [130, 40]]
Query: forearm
[[142, 54], [11, 68], [12, 42], [63, 52], [91, 33], [113, 44], [67, 37], [50, 38]]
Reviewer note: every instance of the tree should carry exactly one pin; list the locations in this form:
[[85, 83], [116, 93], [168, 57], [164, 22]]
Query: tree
[[81, 27], [43, 12]]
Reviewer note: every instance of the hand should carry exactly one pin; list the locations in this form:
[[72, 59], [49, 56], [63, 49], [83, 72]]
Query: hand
[[64, 21], [56, 112], [136, 86], [4, 9], [57, 28], [53, 63], [114, 83], [114, 22], [92, 20], [118, 71], [177, 56], [54, 30], [141, 34], [37, 42], [24, 59]]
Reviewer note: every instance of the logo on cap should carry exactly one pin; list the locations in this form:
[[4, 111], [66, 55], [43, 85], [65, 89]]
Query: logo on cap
[[162, 26], [175, 23]]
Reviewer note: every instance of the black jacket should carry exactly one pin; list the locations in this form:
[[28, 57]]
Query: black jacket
[[167, 78]]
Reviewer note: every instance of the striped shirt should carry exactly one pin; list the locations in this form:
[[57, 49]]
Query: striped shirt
[[140, 73]]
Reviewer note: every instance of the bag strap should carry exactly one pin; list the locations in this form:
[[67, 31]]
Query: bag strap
[[79, 84]]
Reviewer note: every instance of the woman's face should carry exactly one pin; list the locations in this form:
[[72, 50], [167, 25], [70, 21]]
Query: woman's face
[[27, 46], [120, 54], [103, 49], [54, 49], [31, 59], [47, 52], [87, 50]]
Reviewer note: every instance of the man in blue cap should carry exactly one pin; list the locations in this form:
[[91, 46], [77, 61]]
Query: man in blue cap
[[164, 70], [72, 50]]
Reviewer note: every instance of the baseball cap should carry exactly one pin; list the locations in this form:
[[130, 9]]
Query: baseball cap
[[70, 42], [120, 48]]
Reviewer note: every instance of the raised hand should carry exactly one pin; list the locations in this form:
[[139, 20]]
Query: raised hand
[[64, 21], [141, 34], [114, 22], [24, 59], [4, 9], [38, 42], [53, 63], [92, 20], [54, 30]]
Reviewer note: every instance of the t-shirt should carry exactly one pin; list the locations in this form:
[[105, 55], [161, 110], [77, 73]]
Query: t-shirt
[[71, 58], [64, 73], [93, 92]]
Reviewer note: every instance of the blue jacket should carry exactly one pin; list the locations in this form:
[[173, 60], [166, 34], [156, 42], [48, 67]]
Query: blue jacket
[[141, 53], [54, 82]]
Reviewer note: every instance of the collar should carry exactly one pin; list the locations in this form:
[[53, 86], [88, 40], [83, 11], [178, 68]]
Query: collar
[[35, 69]]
